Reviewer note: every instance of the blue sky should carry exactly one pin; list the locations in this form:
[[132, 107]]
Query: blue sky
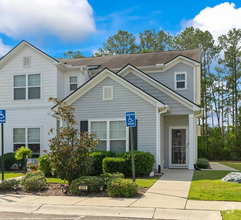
[[57, 26]]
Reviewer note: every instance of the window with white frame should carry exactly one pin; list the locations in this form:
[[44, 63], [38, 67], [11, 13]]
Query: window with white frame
[[107, 93], [73, 83], [26, 62], [181, 80], [27, 137], [112, 135], [27, 86]]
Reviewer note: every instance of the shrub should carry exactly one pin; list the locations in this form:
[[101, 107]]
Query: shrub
[[21, 154], [113, 165], [44, 165], [144, 162], [32, 167], [8, 184], [110, 176], [203, 163], [9, 160], [70, 150], [34, 181], [225, 154], [122, 188], [93, 182], [98, 157]]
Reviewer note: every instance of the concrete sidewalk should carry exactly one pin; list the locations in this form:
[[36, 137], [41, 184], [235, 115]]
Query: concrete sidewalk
[[219, 166]]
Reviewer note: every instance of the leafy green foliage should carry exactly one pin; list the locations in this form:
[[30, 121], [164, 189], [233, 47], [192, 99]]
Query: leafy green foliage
[[22, 154], [203, 163], [34, 181], [110, 176], [113, 165], [71, 55], [93, 182], [122, 188], [9, 160], [8, 184], [70, 151], [44, 165], [98, 157], [144, 162]]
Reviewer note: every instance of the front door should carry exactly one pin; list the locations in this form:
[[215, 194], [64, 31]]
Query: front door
[[178, 149]]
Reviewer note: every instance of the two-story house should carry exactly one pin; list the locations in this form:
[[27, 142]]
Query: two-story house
[[162, 88]]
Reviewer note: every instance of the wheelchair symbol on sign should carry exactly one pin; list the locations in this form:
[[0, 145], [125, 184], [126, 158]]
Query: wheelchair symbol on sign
[[1, 115], [129, 119]]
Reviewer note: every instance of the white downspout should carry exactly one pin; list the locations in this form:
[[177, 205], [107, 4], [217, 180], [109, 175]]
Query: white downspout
[[195, 117], [158, 135]]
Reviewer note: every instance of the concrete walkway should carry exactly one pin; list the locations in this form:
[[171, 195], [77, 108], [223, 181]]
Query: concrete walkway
[[219, 166], [166, 199]]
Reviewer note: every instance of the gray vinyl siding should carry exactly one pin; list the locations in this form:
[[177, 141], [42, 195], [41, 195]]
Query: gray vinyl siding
[[181, 120], [162, 140], [167, 78], [176, 108], [91, 106]]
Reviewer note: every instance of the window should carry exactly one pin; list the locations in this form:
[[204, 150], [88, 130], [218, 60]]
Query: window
[[26, 62], [27, 86], [107, 93], [73, 83], [28, 137], [112, 135], [180, 80]]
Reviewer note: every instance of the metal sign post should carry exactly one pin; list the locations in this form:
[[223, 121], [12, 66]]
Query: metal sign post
[[131, 122], [2, 121]]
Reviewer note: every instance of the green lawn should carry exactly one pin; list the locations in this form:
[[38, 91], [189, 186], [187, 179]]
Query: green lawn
[[207, 185], [235, 165], [9, 174], [231, 215], [142, 182]]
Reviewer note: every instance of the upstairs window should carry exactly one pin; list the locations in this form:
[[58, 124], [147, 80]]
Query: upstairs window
[[180, 81], [27, 86], [26, 62], [73, 83], [107, 93]]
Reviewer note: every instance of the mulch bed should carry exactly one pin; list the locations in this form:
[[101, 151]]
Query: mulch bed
[[56, 189]]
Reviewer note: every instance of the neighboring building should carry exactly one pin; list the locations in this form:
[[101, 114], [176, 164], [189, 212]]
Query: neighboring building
[[163, 88]]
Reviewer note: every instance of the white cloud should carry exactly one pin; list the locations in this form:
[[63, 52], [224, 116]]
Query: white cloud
[[217, 20], [3, 48], [66, 19]]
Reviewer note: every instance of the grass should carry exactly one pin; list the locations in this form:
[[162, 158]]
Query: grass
[[9, 174], [231, 215], [142, 182], [207, 185], [235, 165]]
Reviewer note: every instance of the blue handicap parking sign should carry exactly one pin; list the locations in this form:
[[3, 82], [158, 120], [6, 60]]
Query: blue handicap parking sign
[[2, 116], [130, 119]]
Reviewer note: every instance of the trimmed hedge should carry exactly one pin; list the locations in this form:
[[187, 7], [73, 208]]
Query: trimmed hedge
[[9, 160], [144, 162], [34, 181], [203, 163], [110, 176], [8, 184], [44, 165], [98, 157], [122, 188], [113, 165], [93, 182]]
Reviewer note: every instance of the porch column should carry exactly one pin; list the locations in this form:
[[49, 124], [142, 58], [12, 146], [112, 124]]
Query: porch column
[[191, 147]]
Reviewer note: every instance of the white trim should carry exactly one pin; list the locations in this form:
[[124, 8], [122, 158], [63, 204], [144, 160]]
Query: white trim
[[159, 86], [192, 134], [107, 73], [103, 91], [170, 147], [175, 80]]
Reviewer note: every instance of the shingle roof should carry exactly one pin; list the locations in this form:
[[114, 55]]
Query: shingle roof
[[138, 60]]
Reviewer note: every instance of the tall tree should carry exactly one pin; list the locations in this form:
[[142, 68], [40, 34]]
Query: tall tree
[[71, 55], [121, 43], [231, 44]]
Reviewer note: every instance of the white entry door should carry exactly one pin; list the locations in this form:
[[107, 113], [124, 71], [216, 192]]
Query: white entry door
[[178, 150]]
